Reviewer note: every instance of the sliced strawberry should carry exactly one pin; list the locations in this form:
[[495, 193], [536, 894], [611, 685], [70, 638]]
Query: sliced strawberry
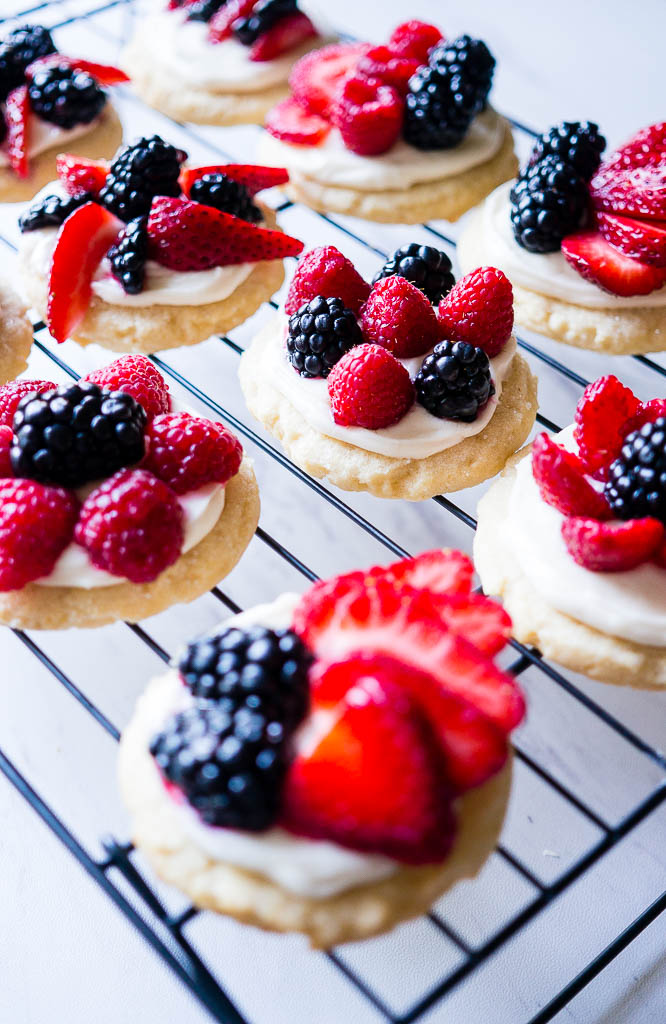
[[289, 122], [383, 64], [597, 261], [184, 235], [17, 114], [81, 175], [83, 240], [219, 26], [614, 546], [647, 412], [601, 417], [254, 177], [348, 791], [105, 74], [442, 571], [646, 147], [660, 556], [316, 78], [286, 34], [560, 476], [478, 619], [643, 240], [631, 192]]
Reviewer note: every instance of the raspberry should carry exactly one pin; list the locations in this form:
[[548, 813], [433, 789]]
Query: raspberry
[[612, 547], [5, 444], [12, 393], [138, 377], [601, 418], [325, 271], [415, 39], [368, 115], [187, 452], [369, 388], [479, 310], [398, 316], [560, 476], [382, 64], [36, 525], [132, 526], [647, 412]]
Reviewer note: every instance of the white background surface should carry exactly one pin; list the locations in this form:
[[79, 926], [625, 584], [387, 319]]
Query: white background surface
[[65, 953]]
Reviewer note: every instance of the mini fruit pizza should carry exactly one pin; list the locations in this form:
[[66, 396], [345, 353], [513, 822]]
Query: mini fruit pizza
[[332, 763], [406, 388], [401, 132], [583, 242], [573, 537], [147, 253], [114, 502]]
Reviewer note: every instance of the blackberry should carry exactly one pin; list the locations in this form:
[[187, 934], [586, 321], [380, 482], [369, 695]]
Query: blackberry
[[229, 766], [19, 49], [454, 381], [52, 211], [128, 256], [574, 142], [636, 484], [203, 10], [264, 15], [148, 168], [446, 94], [262, 669], [426, 267], [226, 195], [64, 96], [76, 433], [548, 202], [319, 334]]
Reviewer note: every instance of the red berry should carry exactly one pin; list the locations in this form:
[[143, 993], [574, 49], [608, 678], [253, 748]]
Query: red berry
[[647, 412], [660, 556], [415, 39], [219, 26], [384, 65], [325, 271], [289, 122], [479, 310], [183, 235], [398, 316], [12, 393], [560, 476], [647, 146], [316, 78], [136, 376], [598, 261], [6, 435], [17, 115], [132, 526], [614, 546], [36, 525], [81, 175], [252, 176], [288, 33], [481, 621], [188, 452], [632, 191], [643, 240], [368, 115], [442, 571], [601, 417], [369, 388]]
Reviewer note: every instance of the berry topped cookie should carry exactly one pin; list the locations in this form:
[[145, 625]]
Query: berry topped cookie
[[583, 241], [573, 536], [48, 102], [256, 771], [400, 132], [147, 253], [406, 387], [114, 502]]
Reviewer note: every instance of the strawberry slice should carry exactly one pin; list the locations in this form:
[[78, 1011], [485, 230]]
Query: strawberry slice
[[219, 26], [286, 34], [560, 476], [81, 175], [646, 147], [348, 791], [481, 621], [17, 112], [253, 177], [289, 122], [643, 240], [105, 74], [614, 546], [316, 78], [631, 192], [83, 240], [597, 261], [442, 571], [184, 235]]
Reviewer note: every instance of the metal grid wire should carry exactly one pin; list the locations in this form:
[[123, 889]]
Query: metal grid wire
[[166, 931]]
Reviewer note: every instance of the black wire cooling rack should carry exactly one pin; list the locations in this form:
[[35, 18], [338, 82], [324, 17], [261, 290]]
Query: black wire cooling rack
[[169, 933]]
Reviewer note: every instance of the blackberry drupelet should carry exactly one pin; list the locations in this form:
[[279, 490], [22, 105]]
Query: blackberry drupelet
[[454, 381], [148, 168], [76, 433], [52, 211], [426, 267], [230, 767], [226, 195], [19, 49], [577, 143], [319, 335], [636, 484], [445, 95], [548, 202], [264, 15], [203, 10], [66, 97], [262, 669], [128, 256]]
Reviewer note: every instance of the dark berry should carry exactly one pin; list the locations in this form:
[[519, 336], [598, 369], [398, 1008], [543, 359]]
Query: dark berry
[[574, 142], [203, 10], [454, 381], [548, 202], [320, 334], [52, 211], [129, 254], [19, 49], [636, 485], [226, 195], [64, 96], [426, 267], [75, 434], [264, 15], [148, 168]]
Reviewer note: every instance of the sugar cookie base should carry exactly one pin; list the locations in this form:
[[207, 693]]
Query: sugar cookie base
[[468, 463], [559, 637], [254, 898], [616, 332], [100, 143], [194, 573], [15, 334]]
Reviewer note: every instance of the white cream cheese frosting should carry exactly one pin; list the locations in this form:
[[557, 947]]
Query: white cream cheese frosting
[[331, 163], [42, 136], [630, 605]]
